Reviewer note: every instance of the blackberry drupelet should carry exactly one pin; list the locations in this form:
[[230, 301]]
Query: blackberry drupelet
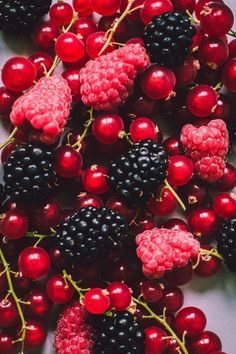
[[91, 234], [168, 38], [19, 16], [137, 174], [119, 334], [226, 243], [29, 173]]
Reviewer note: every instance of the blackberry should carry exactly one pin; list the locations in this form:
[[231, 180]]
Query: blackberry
[[91, 234], [119, 334], [226, 243], [29, 173], [20, 16], [168, 38], [137, 174]]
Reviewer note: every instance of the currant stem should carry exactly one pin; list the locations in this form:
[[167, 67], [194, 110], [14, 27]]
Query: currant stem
[[9, 139], [16, 299], [116, 24], [163, 322], [175, 195], [232, 33], [213, 252], [85, 132], [193, 19], [68, 278]]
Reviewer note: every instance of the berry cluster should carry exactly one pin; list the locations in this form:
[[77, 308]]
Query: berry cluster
[[92, 178]]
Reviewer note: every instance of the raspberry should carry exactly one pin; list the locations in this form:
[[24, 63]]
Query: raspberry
[[45, 108], [107, 81], [210, 169], [208, 140], [73, 334], [161, 250]]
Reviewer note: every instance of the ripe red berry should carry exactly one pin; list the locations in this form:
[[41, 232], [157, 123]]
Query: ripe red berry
[[68, 162], [18, 74], [42, 63], [36, 334], [108, 128], [154, 340], [186, 73], [229, 75], [158, 82], [72, 78], [208, 264], [69, 47], [173, 146], [61, 14], [34, 262], [203, 222], [122, 30], [223, 110], [95, 43], [200, 6], [7, 98], [202, 100], [120, 296], [85, 200], [45, 35], [83, 7], [84, 26], [8, 313], [39, 304], [143, 128], [183, 5], [143, 222], [96, 301], [151, 291], [180, 170], [232, 48], [180, 276], [115, 203], [14, 225], [176, 224], [224, 205], [105, 7], [172, 299], [194, 193], [58, 290], [6, 344], [153, 8], [228, 180], [190, 320], [205, 342], [164, 203], [213, 52], [46, 215], [94, 180]]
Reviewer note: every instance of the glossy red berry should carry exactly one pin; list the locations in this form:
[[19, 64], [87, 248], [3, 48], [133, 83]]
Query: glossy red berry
[[180, 276], [158, 82], [8, 313], [154, 340], [34, 262], [164, 203], [224, 205], [153, 8], [223, 110], [120, 296], [84, 26], [173, 146], [190, 320], [95, 43], [122, 31], [36, 334], [72, 78], [83, 7], [151, 291], [202, 100], [194, 193], [68, 162], [180, 170], [229, 75], [213, 52], [216, 19], [18, 74], [208, 265], [7, 98], [45, 35], [205, 342], [123, 269], [108, 128], [14, 225], [61, 13], [39, 304], [96, 301], [143, 128], [95, 180], [203, 222], [85, 200], [105, 7], [228, 180], [232, 48], [58, 290], [46, 215], [42, 63], [69, 47], [172, 299], [143, 222], [6, 344], [176, 224], [183, 5], [200, 6]]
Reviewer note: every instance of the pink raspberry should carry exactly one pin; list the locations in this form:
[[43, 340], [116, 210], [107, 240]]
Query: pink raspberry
[[208, 140], [45, 109], [73, 334], [210, 169], [161, 250], [107, 81]]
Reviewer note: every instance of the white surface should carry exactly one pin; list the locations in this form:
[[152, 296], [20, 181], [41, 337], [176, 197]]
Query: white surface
[[215, 296]]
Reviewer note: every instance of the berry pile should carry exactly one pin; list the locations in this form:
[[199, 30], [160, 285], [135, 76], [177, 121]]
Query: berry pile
[[92, 179]]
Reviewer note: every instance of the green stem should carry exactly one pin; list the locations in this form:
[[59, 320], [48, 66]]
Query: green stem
[[16, 299], [213, 252], [9, 139], [232, 33], [163, 322], [85, 132], [175, 195], [68, 278]]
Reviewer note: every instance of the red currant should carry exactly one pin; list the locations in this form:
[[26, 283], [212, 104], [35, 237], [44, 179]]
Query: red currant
[[34, 262], [194, 193], [83, 27], [95, 43], [208, 264], [224, 205], [105, 7], [61, 13], [58, 262], [180, 170], [46, 215], [58, 290], [96, 301], [229, 75], [140, 106], [7, 98], [186, 73], [143, 222], [183, 5], [40, 305], [72, 78], [173, 146], [153, 8], [120, 296], [94, 180], [83, 7], [8, 313], [213, 52], [228, 180], [108, 128], [21, 284], [172, 299], [176, 224], [85, 200], [191, 321], [122, 31], [45, 35], [6, 344], [232, 48], [203, 222], [18, 74], [223, 109], [151, 291], [180, 276], [143, 128], [14, 225], [202, 100], [42, 62], [200, 6], [115, 203], [205, 342], [123, 269], [163, 203], [69, 47], [68, 162], [154, 340], [36, 334]]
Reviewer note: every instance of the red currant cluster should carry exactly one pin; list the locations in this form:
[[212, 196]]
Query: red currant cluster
[[91, 103]]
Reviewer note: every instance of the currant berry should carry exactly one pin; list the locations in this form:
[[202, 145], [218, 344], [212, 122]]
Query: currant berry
[[194, 193], [58, 290], [18, 74], [232, 49], [143, 222], [208, 265], [85, 200], [36, 334], [183, 5], [180, 276], [7, 98], [228, 180], [191, 321], [68, 162], [200, 7], [151, 291], [72, 78], [105, 7], [34, 262], [42, 63], [122, 30], [95, 43], [83, 27], [94, 180], [164, 203], [176, 224], [115, 203], [186, 73], [213, 52], [172, 299], [180, 170], [229, 75], [140, 105], [61, 14], [205, 342], [153, 8], [14, 225], [6, 344], [69, 48], [173, 146], [96, 301], [108, 128], [223, 110], [46, 215], [154, 340], [158, 82], [83, 7], [39, 304], [143, 128], [45, 35], [203, 222], [8, 313], [120, 296], [224, 205], [202, 100]]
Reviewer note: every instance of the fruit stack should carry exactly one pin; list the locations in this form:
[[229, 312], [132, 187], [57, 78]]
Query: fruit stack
[[91, 180]]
